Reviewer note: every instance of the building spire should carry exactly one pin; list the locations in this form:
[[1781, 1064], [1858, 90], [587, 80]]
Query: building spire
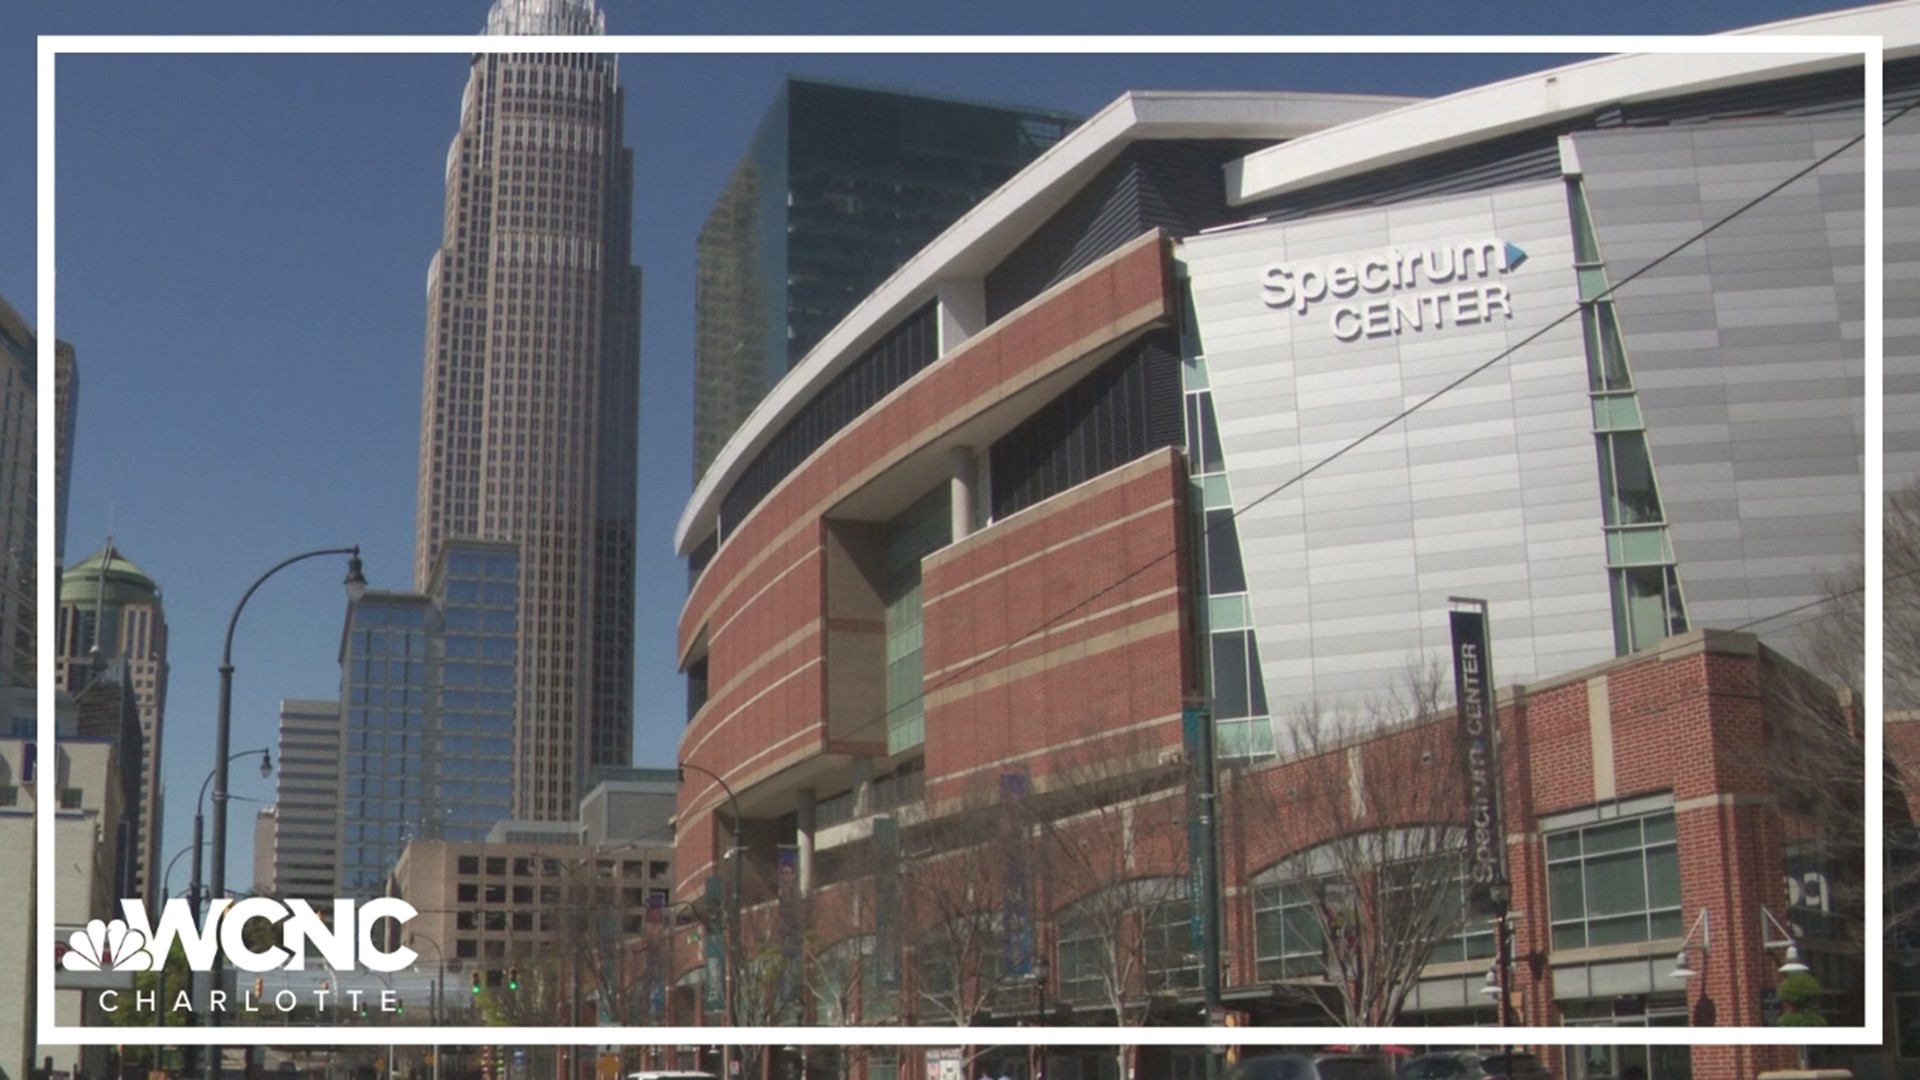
[[558, 18]]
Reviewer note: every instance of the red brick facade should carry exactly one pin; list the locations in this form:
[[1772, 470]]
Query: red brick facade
[[1059, 640]]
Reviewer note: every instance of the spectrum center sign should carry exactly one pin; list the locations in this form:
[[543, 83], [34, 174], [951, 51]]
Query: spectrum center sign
[[1400, 290]]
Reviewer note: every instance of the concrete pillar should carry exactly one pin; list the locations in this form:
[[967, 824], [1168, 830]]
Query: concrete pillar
[[862, 787], [963, 311], [806, 830], [960, 461]]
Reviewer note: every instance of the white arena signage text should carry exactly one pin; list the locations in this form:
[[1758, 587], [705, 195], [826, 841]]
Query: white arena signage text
[[1399, 290]]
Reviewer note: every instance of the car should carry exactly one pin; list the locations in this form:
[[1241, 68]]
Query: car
[[671, 1075], [1321, 1066], [1476, 1065]]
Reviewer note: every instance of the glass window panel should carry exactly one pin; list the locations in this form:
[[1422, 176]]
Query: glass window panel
[[1614, 836], [1585, 248], [1570, 936], [1643, 595], [1256, 682], [1616, 883], [1193, 434], [1639, 500], [1225, 574], [1564, 894], [1663, 877], [1233, 739], [1617, 930], [1658, 828], [1664, 924], [1227, 612], [1212, 458], [1214, 492], [1230, 675]]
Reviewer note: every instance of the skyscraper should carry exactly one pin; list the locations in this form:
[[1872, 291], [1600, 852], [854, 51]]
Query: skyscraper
[[66, 402], [112, 640], [530, 411], [428, 739], [305, 852], [839, 186], [18, 511]]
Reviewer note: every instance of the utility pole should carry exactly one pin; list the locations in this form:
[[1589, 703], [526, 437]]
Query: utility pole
[[1203, 862]]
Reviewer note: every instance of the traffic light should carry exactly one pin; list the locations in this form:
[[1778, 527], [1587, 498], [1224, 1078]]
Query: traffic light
[[399, 1004], [259, 987], [513, 978], [476, 982]]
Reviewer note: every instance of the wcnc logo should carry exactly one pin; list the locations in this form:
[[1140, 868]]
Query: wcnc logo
[[346, 942]]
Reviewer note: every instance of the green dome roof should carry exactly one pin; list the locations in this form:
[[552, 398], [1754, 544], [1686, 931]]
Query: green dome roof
[[124, 582]]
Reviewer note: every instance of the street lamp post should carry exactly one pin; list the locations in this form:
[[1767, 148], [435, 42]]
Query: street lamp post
[[194, 895], [733, 917], [439, 986], [1040, 972], [356, 585]]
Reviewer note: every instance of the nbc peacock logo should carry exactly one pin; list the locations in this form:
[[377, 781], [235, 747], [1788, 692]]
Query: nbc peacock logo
[[107, 946]]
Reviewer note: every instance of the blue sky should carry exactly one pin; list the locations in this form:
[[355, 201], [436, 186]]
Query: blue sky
[[242, 254]]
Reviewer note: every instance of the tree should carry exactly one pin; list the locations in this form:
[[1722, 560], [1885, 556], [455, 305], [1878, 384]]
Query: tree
[[1800, 1001], [1371, 801], [1111, 820], [969, 897], [1815, 758]]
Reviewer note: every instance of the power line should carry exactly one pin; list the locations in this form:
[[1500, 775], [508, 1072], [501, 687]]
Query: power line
[[952, 676]]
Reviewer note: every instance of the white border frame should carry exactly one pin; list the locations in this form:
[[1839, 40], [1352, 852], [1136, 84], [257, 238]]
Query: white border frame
[[50, 1033]]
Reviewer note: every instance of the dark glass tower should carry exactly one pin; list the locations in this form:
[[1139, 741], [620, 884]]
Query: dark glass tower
[[841, 185], [530, 411]]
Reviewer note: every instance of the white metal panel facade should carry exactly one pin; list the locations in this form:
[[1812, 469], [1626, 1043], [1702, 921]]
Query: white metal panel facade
[[1492, 491]]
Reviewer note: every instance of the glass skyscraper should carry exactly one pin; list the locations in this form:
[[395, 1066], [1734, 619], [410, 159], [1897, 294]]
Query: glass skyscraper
[[427, 682], [530, 410], [841, 185]]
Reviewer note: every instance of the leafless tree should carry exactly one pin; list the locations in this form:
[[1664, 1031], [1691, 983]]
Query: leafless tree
[[1815, 758], [1110, 859], [976, 862], [1372, 799]]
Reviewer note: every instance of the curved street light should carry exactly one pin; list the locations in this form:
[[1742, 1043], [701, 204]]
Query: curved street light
[[194, 895], [356, 584], [733, 917]]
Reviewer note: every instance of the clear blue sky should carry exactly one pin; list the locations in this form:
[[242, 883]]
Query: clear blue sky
[[243, 245]]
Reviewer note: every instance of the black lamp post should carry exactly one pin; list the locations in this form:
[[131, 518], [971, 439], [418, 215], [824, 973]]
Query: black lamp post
[[733, 916], [194, 896], [1040, 973], [356, 584]]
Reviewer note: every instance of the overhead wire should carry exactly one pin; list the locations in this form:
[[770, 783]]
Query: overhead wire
[[953, 675]]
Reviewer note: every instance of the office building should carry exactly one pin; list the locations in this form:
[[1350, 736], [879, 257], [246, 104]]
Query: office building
[[1084, 510], [265, 826], [302, 860], [66, 404], [530, 408], [427, 687], [547, 898], [112, 649], [83, 778], [839, 186], [19, 514]]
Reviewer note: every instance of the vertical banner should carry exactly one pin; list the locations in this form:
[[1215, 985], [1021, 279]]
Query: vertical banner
[[886, 901], [714, 937], [1016, 896], [789, 901], [1196, 730], [1473, 690], [657, 955]]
